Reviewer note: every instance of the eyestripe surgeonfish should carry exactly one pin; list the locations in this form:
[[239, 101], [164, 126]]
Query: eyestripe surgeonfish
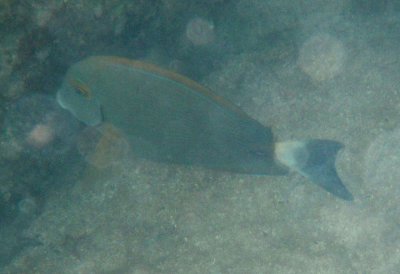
[[169, 118]]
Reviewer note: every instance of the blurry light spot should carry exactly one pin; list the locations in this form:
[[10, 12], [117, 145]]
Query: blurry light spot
[[36, 125], [27, 206], [200, 31], [381, 167], [40, 135], [322, 57]]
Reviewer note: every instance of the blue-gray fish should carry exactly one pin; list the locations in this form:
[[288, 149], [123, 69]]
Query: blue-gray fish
[[169, 118]]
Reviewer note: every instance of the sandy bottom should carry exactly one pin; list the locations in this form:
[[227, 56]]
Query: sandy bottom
[[143, 217]]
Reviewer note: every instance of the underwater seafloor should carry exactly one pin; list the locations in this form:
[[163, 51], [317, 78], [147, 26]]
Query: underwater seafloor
[[325, 69]]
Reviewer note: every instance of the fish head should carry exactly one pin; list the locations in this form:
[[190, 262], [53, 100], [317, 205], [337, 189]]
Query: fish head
[[76, 96]]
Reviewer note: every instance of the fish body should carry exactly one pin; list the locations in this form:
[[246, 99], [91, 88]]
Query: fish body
[[167, 117]]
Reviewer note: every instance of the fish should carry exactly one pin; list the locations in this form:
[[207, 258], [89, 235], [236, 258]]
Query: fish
[[169, 118]]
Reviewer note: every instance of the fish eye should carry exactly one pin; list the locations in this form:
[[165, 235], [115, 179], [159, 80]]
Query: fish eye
[[81, 88]]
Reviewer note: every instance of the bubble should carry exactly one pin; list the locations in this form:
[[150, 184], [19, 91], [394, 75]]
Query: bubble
[[200, 31], [322, 57]]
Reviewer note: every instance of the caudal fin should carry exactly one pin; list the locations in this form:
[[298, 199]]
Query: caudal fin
[[314, 159]]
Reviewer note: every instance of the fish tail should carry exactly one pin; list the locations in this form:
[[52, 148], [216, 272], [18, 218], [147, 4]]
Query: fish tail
[[314, 159]]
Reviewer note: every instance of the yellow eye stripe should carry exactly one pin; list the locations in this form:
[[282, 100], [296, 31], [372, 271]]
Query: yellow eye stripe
[[81, 88]]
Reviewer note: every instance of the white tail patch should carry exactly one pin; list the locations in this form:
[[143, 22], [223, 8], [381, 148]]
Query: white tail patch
[[292, 154]]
